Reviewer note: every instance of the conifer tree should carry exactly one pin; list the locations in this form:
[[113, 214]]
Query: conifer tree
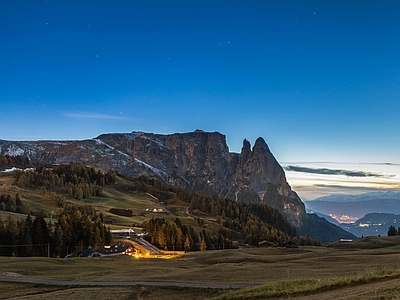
[[187, 243], [392, 231], [203, 245]]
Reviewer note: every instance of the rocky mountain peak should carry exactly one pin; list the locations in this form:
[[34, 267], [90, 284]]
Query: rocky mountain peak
[[246, 151], [258, 177], [197, 160], [261, 145]]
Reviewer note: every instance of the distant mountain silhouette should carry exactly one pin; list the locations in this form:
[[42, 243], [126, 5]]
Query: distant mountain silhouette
[[356, 206], [373, 224]]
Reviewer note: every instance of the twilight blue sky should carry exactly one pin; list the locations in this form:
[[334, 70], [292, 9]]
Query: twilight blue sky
[[318, 80]]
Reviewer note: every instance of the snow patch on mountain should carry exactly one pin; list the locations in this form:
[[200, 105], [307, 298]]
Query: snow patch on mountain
[[14, 151], [155, 140], [155, 170], [100, 142]]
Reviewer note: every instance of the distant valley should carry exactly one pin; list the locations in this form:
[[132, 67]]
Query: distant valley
[[363, 215], [373, 224]]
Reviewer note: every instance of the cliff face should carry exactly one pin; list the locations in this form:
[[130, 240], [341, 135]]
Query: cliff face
[[197, 160], [258, 167], [259, 177]]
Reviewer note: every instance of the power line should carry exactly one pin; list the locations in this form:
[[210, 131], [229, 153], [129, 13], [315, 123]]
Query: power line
[[6, 246]]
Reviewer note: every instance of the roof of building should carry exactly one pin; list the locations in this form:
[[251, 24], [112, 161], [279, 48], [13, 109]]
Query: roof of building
[[107, 250]]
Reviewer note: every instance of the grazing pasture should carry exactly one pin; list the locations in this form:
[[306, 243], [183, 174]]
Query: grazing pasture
[[364, 269]]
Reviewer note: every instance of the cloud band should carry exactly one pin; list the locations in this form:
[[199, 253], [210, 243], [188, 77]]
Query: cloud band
[[326, 171]]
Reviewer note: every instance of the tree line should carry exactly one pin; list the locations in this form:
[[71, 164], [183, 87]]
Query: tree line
[[7, 162], [75, 228], [71, 229], [253, 222], [79, 181], [12, 203], [392, 231], [173, 235]]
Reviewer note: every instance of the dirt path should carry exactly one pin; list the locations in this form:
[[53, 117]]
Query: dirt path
[[119, 283]]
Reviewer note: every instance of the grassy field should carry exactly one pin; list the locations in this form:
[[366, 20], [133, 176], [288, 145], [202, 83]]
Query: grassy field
[[365, 269], [39, 292]]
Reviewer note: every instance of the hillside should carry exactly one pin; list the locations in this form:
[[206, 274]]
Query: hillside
[[126, 202], [197, 160], [121, 201], [321, 229]]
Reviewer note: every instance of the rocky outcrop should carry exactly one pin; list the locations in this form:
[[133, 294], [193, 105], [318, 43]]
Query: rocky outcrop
[[198, 160], [259, 177]]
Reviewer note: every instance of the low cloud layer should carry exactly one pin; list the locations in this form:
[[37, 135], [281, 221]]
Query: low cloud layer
[[326, 171], [312, 180]]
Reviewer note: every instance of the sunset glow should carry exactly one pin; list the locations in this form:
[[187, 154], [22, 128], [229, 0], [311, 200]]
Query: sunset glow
[[370, 177]]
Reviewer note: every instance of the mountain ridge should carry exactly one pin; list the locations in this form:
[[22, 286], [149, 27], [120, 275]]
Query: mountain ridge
[[351, 211], [198, 160], [373, 224]]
